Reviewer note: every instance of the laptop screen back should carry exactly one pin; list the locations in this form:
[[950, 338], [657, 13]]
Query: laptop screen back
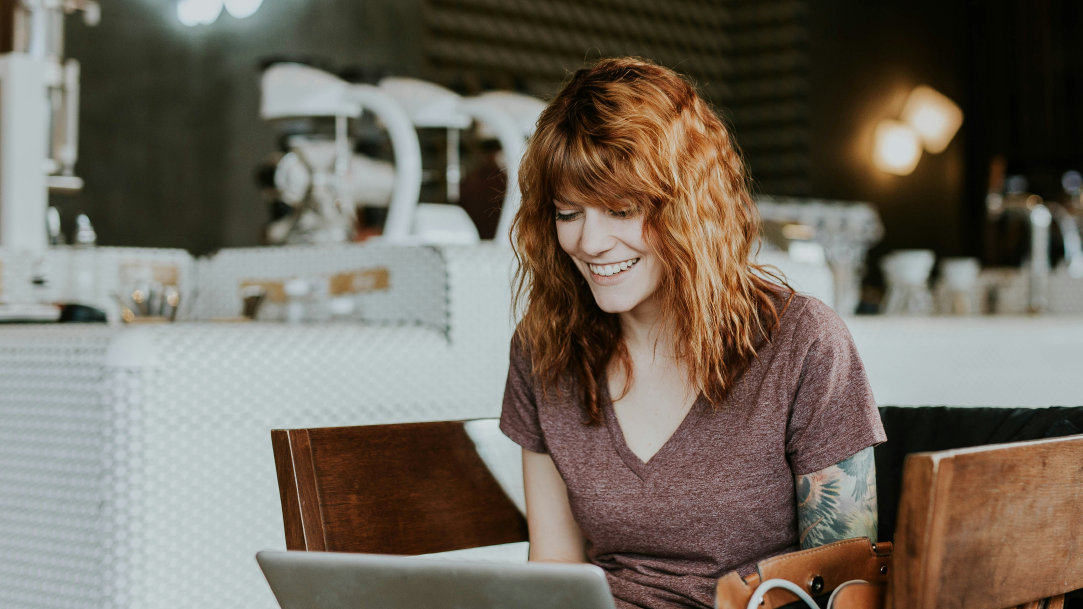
[[328, 580]]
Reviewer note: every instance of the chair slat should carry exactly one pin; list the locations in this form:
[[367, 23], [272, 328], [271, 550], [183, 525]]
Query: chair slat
[[406, 488]]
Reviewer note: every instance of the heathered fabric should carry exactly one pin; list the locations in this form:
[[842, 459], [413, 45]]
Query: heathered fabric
[[719, 494]]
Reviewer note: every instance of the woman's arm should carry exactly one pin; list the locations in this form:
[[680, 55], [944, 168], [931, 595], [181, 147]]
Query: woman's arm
[[838, 502], [554, 535]]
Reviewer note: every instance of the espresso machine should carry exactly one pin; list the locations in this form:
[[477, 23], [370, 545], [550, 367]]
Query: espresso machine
[[318, 180], [39, 115], [312, 202]]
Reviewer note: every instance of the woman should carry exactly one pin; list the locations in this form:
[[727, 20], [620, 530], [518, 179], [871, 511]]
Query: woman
[[681, 414]]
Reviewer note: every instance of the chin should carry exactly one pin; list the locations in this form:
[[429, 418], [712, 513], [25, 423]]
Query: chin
[[613, 309], [614, 306]]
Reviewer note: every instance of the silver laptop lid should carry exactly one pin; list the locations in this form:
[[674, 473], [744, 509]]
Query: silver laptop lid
[[330, 580]]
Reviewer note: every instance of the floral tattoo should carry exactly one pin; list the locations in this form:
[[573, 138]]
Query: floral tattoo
[[838, 502]]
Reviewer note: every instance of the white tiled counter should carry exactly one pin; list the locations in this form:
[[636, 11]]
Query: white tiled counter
[[136, 468]]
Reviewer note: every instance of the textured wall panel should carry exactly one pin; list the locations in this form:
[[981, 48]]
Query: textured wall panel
[[749, 57]]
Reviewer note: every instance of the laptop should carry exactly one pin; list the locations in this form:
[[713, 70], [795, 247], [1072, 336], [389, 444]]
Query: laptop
[[334, 580]]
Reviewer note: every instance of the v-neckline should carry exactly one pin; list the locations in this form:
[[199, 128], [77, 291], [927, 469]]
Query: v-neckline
[[640, 467]]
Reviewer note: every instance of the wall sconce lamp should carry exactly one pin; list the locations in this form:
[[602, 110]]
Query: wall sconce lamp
[[205, 12], [935, 117], [898, 147], [929, 119]]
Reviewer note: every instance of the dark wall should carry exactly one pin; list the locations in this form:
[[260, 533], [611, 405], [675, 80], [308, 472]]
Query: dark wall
[[866, 59], [1015, 69], [170, 133], [1026, 79]]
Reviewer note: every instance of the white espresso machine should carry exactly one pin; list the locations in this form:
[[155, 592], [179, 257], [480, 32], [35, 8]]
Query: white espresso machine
[[39, 115]]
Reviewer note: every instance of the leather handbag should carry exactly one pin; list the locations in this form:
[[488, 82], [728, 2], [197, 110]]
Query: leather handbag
[[852, 574]]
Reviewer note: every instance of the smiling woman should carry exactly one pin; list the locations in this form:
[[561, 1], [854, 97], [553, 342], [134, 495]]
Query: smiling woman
[[682, 412]]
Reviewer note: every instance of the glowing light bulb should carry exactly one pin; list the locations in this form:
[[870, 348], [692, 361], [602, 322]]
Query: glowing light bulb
[[188, 12], [242, 8], [898, 147], [211, 10], [935, 117], [198, 12]]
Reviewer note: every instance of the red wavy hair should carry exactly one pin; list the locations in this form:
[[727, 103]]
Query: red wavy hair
[[629, 132]]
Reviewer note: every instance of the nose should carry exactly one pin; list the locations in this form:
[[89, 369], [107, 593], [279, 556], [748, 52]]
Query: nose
[[597, 235]]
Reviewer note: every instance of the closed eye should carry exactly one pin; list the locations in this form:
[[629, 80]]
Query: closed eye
[[563, 215], [627, 212]]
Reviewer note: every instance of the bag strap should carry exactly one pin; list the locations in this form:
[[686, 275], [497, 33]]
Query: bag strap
[[857, 594], [773, 584], [817, 570]]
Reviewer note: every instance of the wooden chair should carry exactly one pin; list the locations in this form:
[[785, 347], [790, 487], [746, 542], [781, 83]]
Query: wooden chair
[[990, 527], [408, 488]]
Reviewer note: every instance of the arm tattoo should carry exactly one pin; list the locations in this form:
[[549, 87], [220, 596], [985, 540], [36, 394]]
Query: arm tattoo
[[838, 502]]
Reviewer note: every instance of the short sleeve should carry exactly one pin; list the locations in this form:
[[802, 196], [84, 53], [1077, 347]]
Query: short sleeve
[[833, 414], [519, 414]]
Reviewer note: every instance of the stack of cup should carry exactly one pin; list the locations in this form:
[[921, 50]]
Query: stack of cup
[[957, 292], [906, 273]]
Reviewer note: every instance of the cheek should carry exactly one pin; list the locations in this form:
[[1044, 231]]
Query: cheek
[[636, 236], [656, 278], [567, 236]]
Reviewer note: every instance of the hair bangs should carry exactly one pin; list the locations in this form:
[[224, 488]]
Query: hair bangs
[[586, 170]]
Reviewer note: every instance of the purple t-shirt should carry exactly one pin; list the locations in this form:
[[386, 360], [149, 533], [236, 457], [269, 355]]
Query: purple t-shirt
[[719, 494]]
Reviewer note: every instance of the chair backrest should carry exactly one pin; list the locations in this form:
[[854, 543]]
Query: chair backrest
[[409, 488], [990, 527]]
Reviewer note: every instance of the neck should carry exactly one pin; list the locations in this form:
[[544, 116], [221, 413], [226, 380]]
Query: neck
[[653, 360], [647, 336]]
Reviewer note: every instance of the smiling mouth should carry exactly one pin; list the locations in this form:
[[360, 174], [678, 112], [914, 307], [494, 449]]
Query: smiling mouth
[[608, 270]]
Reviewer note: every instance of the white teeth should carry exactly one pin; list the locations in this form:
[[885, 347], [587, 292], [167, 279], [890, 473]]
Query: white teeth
[[608, 270]]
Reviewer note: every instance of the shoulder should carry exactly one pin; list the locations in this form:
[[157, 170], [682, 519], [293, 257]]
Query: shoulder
[[517, 348], [521, 349], [810, 330], [809, 317], [520, 363], [793, 305], [811, 309], [522, 366]]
